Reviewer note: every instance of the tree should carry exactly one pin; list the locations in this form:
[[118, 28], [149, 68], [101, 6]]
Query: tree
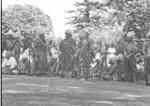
[[25, 18], [25, 22], [138, 22], [82, 15], [87, 14], [132, 18], [94, 15], [123, 16]]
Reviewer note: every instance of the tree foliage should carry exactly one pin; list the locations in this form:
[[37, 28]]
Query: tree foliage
[[25, 18], [129, 18], [137, 21], [97, 18], [86, 14]]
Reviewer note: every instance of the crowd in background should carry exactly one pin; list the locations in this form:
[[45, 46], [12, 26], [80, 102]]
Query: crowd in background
[[73, 59]]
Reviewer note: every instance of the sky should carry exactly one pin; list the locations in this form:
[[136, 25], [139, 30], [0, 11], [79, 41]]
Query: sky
[[54, 8]]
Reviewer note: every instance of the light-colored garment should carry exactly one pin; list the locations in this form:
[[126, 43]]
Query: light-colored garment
[[4, 53], [140, 66], [98, 56], [111, 55], [120, 56], [54, 53], [9, 62], [111, 50], [93, 64], [25, 54]]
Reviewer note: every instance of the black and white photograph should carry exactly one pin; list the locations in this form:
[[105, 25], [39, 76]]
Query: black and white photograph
[[75, 53]]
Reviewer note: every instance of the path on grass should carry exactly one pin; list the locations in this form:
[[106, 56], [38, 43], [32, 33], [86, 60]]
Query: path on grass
[[44, 91]]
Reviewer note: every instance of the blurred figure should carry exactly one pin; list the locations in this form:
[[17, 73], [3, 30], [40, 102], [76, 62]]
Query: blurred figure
[[96, 65], [111, 55], [67, 49], [54, 61], [4, 53], [40, 62], [147, 69], [9, 63], [130, 68], [25, 61], [85, 55]]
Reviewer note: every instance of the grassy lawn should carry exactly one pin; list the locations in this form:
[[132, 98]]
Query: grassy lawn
[[44, 91]]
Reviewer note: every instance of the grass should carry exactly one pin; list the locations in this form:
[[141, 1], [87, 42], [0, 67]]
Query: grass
[[44, 91]]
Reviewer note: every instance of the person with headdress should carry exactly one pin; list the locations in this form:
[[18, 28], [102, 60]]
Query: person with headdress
[[40, 55], [130, 67], [67, 48], [84, 55], [9, 63]]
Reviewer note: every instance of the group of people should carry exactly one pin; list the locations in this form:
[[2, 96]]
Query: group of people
[[71, 58]]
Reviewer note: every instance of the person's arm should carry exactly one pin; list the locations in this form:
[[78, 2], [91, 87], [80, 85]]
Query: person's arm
[[74, 46], [130, 55], [4, 63], [61, 46], [43, 43], [50, 52]]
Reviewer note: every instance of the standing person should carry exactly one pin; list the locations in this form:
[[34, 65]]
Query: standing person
[[40, 55], [147, 64], [130, 67], [95, 66], [16, 49], [84, 55], [67, 49], [111, 54], [147, 69], [119, 68], [26, 57], [25, 61], [54, 63]]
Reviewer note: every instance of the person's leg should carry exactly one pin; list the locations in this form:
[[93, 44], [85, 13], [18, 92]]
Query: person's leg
[[62, 65], [116, 76], [86, 72], [57, 67], [78, 71], [148, 65], [53, 65], [42, 64], [116, 68], [67, 63], [27, 66], [35, 67], [135, 79], [78, 67]]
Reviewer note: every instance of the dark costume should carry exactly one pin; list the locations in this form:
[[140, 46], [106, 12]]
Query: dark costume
[[67, 48], [130, 68], [147, 70], [40, 56], [16, 49]]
